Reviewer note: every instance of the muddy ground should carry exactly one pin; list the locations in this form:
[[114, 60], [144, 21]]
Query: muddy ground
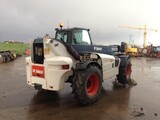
[[18, 101]]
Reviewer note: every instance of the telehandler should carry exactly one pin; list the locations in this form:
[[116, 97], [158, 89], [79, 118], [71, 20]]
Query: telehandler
[[72, 57]]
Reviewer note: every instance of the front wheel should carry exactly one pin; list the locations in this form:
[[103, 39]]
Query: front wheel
[[87, 85], [124, 75]]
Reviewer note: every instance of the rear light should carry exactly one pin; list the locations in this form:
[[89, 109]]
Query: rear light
[[65, 67]]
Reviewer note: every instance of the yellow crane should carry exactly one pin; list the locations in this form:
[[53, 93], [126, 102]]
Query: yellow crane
[[145, 29]]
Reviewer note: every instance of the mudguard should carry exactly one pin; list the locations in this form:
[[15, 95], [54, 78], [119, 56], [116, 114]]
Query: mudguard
[[85, 64]]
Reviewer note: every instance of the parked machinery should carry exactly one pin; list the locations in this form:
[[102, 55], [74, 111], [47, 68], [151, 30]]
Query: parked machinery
[[153, 51], [132, 51], [72, 57]]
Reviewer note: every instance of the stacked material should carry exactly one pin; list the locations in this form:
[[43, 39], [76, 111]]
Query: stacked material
[[6, 56]]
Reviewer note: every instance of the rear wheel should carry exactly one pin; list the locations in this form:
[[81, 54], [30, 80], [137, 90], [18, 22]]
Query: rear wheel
[[87, 85], [124, 75], [158, 56]]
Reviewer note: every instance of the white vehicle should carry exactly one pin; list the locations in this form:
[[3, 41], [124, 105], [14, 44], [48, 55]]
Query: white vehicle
[[71, 57]]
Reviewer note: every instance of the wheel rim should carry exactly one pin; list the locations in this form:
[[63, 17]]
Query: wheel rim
[[128, 71], [92, 84]]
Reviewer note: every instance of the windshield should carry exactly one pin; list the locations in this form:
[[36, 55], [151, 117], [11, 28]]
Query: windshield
[[73, 36], [62, 36]]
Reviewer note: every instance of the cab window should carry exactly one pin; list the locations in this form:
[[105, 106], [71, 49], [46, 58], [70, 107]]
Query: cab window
[[81, 37], [61, 36]]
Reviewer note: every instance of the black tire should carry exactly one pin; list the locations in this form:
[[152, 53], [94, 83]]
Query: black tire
[[87, 85], [124, 75], [5, 58], [158, 55]]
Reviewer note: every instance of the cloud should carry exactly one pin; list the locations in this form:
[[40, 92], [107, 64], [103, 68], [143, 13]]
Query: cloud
[[27, 19]]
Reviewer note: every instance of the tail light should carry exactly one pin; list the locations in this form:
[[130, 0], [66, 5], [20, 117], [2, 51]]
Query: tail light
[[65, 67]]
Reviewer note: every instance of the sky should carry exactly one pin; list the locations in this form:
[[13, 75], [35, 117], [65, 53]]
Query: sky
[[24, 20]]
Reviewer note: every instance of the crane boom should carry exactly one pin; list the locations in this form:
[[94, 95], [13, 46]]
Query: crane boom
[[132, 27], [141, 28]]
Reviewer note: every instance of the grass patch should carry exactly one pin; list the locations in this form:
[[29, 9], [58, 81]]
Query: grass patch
[[17, 48]]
